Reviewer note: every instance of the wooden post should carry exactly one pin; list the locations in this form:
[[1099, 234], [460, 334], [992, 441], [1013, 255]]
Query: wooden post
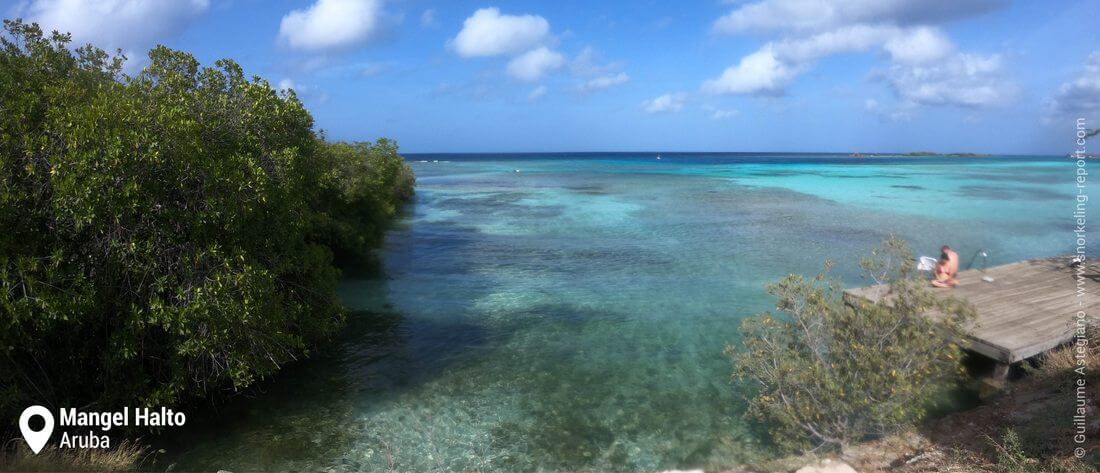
[[995, 383]]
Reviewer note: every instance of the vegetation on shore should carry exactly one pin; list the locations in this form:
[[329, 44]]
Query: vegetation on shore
[[171, 235], [1025, 429], [128, 455], [831, 372], [850, 379]]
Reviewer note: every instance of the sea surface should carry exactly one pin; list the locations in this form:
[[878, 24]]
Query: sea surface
[[569, 311]]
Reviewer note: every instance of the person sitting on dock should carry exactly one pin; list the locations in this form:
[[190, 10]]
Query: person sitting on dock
[[947, 268]]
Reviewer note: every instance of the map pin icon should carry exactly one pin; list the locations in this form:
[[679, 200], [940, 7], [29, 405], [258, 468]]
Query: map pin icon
[[36, 439]]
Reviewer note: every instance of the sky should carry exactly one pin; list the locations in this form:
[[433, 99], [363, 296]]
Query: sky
[[984, 76]]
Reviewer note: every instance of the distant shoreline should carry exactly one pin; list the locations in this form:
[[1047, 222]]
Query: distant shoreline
[[921, 154], [699, 154]]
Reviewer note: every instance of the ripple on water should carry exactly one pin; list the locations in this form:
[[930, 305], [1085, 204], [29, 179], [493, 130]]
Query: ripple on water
[[573, 316]]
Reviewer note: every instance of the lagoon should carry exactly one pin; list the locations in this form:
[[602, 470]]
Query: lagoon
[[572, 315]]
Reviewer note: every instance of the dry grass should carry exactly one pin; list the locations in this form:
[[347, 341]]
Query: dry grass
[[1022, 430], [126, 456], [1060, 363]]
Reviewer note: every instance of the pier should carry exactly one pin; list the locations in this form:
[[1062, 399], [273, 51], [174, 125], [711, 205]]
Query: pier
[[1030, 307]]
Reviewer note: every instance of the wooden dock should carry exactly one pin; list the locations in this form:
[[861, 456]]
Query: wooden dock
[[1029, 308]]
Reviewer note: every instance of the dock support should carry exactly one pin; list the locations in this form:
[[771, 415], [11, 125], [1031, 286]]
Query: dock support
[[995, 382]]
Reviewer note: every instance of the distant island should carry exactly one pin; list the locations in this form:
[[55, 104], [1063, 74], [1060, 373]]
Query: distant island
[[919, 153], [952, 155]]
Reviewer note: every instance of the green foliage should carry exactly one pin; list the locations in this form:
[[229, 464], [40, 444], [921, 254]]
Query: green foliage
[[161, 238], [358, 195], [1012, 458], [832, 371]]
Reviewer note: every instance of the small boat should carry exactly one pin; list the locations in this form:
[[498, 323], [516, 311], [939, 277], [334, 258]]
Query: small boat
[[658, 156]]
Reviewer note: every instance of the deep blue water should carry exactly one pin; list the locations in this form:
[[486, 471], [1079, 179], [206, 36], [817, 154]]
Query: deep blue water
[[572, 315]]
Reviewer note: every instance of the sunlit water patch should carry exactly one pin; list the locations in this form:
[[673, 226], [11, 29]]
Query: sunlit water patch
[[572, 315]]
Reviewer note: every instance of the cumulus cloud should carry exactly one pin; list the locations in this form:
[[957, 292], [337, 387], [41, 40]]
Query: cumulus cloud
[[604, 82], [921, 45], [817, 15], [842, 40], [526, 39], [534, 64], [925, 66], [489, 33], [758, 73], [130, 25], [666, 103], [964, 80], [331, 24], [769, 70], [1080, 98], [529, 44]]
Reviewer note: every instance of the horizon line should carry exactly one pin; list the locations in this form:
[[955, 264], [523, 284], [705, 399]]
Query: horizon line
[[819, 153]]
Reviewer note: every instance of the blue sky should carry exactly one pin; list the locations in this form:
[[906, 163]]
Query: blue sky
[[756, 75]]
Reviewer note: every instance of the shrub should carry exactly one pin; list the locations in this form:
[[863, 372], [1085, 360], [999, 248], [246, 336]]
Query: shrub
[[828, 372], [358, 195], [159, 236], [1012, 457]]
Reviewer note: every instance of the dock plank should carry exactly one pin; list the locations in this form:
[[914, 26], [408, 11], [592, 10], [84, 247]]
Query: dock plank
[[1029, 308]]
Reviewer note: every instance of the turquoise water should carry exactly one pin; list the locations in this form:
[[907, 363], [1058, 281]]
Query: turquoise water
[[572, 316]]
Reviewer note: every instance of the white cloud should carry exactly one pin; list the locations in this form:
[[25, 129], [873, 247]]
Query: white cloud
[[537, 92], [604, 82], [920, 45], [529, 43], [842, 40], [758, 73], [130, 25], [488, 33], [331, 24], [1080, 98], [775, 14], [925, 67], [819, 15], [664, 104], [964, 80], [770, 69], [534, 64]]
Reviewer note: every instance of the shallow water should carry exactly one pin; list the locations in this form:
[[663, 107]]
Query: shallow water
[[572, 315]]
